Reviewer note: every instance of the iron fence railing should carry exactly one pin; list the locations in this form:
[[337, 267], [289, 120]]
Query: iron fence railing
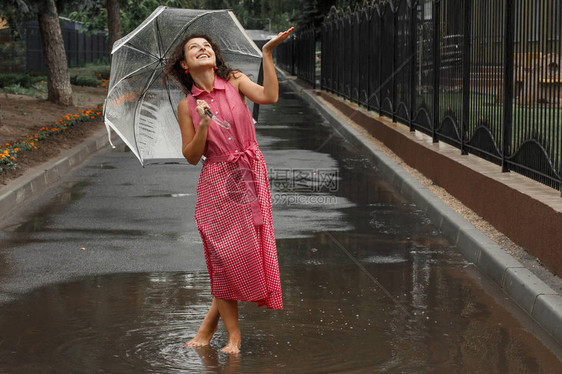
[[81, 47], [482, 75], [27, 54], [285, 55], [297, 55]]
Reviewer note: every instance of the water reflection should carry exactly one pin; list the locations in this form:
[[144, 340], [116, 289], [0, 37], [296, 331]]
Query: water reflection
[[400, 317]]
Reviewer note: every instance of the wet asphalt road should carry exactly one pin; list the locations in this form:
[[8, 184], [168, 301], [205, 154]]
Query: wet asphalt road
[[106, 274]]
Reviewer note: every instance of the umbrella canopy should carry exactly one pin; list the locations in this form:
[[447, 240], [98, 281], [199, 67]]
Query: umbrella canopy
[[141, 105]]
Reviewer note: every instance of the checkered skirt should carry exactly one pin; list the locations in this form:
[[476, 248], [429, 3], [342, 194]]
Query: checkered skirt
[[241, 257]]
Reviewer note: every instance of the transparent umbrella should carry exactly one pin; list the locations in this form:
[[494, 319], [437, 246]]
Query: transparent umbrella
[[141, 105]]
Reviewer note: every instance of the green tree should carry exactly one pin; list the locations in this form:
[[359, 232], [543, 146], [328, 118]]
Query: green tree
[[58, 80], [253, 14], [113, 20]]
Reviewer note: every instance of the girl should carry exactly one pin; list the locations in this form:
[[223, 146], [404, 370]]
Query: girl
[[233, 211]]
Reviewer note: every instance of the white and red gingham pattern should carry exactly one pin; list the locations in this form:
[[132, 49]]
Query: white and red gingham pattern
[[241, 257], [241, 254]]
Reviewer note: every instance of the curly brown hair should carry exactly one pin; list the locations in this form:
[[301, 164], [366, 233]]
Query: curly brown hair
[[175, 70]]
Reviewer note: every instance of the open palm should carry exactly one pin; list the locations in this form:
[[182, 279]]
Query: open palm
[[273, 43]]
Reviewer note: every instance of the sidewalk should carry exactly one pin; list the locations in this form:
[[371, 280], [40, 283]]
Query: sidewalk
[[39, 179], [541, 302]]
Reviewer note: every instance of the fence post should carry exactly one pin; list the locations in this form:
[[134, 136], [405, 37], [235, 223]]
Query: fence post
[[368, 18], [436, 66], [508, 82], [381, 24], [393, 85], [413, 28], [322, 44], [292, 40], [313, 47], [466, 73]]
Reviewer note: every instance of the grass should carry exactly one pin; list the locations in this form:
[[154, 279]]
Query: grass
[[96, 71], [539, 122], [91, 75], [38, 90]]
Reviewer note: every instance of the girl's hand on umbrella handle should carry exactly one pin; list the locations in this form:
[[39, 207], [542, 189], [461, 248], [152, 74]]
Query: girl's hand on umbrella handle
[[273, 43], [201, 108]]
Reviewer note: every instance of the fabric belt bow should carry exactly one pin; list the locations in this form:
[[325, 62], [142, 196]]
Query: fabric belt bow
[[248, 177], [250, 152]]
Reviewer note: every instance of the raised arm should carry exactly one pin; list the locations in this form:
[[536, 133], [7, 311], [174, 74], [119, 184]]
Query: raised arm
[[269, 92]]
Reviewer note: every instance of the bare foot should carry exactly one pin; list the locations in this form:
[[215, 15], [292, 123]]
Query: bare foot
[[202, 338], [233, 345]]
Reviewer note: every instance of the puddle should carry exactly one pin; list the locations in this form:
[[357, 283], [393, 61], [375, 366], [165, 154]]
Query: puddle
[[336, 319], [102, 166], [169, 195], [69, 193]]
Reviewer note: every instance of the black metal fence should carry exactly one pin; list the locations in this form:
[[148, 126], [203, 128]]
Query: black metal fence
[[297, 55], [81, 47], [482, 75]]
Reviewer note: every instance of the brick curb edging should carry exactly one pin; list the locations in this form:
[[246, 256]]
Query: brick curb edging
[[530, 293], [39, 178]]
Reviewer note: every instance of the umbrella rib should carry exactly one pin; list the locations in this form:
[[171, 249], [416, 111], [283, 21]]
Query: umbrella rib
[[170, 98], [179, 33], [141, 51], [140, 99], [128, 76], [235, 20], [118, 44], [159, 37]]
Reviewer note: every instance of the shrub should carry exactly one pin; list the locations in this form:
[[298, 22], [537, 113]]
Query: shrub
[[17, 89], [83, 81], [24, 80], [102, 72]]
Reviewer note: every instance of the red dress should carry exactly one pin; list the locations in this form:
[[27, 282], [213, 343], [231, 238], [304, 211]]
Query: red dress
[[233, 211]]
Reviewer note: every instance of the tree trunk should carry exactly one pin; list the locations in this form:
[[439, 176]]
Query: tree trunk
[[113, 23], [58, 80]]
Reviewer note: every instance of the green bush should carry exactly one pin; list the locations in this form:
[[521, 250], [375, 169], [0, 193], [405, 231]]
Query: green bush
[[19, 79], [102, 72], [91, 70], [83, 81], [16, 89]]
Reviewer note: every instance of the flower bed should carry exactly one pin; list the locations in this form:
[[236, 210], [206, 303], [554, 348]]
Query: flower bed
[[9, 151]]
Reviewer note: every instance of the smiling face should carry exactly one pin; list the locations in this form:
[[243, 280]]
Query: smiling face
[[198, 53]]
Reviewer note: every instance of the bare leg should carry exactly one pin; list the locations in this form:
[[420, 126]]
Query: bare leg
[[228, 310], [207, 328]]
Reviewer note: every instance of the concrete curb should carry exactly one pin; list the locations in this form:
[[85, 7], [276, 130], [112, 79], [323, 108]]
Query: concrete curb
[[530, 293], [39, 178]]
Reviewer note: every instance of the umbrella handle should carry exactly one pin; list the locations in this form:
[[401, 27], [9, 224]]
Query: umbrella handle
[[219, 122]]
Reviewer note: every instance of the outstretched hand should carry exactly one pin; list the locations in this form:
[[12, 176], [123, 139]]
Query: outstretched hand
[[273, 43]]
